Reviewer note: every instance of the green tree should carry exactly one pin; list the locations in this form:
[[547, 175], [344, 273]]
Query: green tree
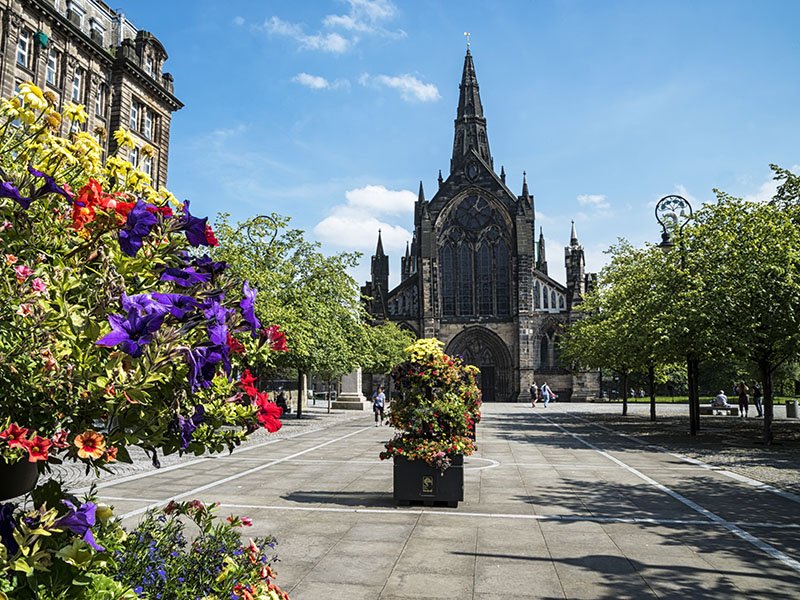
[[749, 257], [310, 295]]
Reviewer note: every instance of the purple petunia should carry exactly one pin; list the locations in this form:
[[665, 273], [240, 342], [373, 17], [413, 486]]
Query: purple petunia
[[137, 227], [203, 362], [184, 277], [80, 521], [48, 187], [9, 190], [7, 526], [204, 264], [186, 426], [217, 326], [143, 304], [248, 306], [177, 305], [133, 332], [195, 228]]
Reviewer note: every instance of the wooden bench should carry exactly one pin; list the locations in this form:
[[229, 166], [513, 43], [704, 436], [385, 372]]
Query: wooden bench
[[718, 410]]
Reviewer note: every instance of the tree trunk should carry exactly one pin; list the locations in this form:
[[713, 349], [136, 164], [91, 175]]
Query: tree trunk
[[300, 394], [651, 382], [624, 393], [765, 369], [692, 371]]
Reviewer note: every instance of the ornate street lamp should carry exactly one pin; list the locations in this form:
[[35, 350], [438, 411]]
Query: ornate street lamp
[[673, 213]]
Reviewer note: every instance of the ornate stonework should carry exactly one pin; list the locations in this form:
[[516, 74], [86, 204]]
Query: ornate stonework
[[475, 277]]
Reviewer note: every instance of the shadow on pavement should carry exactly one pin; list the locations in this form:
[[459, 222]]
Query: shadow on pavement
[[365, 499]]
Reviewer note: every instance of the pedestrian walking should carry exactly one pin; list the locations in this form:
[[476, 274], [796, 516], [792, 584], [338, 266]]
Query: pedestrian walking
[[744, 401], [534, 391], [547, 394], [378, 402], [758, 397]]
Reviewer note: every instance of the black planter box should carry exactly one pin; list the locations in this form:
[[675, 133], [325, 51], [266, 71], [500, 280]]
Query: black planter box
[[416, 481]]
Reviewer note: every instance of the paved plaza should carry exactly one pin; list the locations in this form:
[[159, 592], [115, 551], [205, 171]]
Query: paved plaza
[[556, 506]]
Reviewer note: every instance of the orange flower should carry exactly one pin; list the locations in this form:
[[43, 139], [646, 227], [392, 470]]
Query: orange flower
[[111, 454], [90, 444]]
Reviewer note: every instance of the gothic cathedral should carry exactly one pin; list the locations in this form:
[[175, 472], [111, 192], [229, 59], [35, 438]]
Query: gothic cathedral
[[475, 277]]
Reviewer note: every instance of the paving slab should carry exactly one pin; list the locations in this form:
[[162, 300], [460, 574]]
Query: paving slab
[[556, 505]]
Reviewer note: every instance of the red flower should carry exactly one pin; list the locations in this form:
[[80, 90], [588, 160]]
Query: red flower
[[210, 237], [275, 338], [234, 345], [268, 413], [14, 436], [111, 454], [37, 448], [246, 382], [59, 439]]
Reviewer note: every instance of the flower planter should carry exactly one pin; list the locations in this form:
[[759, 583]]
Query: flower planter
[[17, 478], [416, 481]]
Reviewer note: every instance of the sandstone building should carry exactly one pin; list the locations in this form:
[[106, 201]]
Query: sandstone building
[[476, 277], [84, 52]]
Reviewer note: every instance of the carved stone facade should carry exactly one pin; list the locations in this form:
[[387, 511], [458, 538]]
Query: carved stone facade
[[475, 277], [84, 52]]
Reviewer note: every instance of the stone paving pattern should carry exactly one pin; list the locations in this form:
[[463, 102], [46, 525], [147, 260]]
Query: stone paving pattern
[[555, 506]]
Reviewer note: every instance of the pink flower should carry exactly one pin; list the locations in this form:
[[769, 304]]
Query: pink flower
[[38, 285], [22, 272], [10, 259], [5, 225], [25, 310]]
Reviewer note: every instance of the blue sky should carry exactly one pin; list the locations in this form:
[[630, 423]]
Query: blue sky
[[332, 111]]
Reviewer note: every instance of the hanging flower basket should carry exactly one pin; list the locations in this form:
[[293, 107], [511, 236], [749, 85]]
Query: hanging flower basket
[[17, 478]]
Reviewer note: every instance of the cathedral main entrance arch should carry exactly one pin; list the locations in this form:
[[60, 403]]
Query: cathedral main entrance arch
[[484, 349]]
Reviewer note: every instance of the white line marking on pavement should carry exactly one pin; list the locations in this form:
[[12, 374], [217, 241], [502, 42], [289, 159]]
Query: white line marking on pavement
[[492, 463], [207, 486], [113, 482], [450, 513], [758, 543], [699, 463]]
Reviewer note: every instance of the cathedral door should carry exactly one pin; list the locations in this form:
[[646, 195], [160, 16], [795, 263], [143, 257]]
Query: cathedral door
[[486, 383], [484, 349]]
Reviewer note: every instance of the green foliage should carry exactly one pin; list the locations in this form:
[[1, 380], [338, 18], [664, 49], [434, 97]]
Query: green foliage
[[387, 344], [440, 403]]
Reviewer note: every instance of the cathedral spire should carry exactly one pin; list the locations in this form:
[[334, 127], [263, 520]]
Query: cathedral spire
[[421, 196], [573, 236], [470, 124], [379, 249], [525, 193]]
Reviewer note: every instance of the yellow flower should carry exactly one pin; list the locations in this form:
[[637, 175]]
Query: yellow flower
[[104, 512], [148, 150], [75, 112], [78, 553], [32, 96], [124, 138], [53, 120]]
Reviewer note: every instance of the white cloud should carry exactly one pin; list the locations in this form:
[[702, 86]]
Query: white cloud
[[594, 200], [411, 89], [354, 225], [327, 42], [315, 82], [238, 20], [366, 16]]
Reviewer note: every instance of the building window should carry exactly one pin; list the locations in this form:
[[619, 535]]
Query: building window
[[51, 73], [502, 271], [148, 124], [133, 157], [149, 66], [537, 294], [24, 49], [135, 110], [484, 279], [77, 85], [75, 14], [448, 284], [147, 166], [100, 100]]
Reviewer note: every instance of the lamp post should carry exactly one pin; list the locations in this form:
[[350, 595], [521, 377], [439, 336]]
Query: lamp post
[[673, 213]]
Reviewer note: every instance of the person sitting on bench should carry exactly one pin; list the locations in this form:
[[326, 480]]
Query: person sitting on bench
[[720, 401]]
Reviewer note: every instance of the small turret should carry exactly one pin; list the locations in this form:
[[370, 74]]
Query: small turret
[[525, 193], [441, 181], [421, 196], [503, 174], [541, 258]]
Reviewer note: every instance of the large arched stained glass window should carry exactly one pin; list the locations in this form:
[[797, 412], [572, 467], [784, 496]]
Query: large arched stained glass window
[[465, 284], [502, 261], [447, 279], [484, 277]]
